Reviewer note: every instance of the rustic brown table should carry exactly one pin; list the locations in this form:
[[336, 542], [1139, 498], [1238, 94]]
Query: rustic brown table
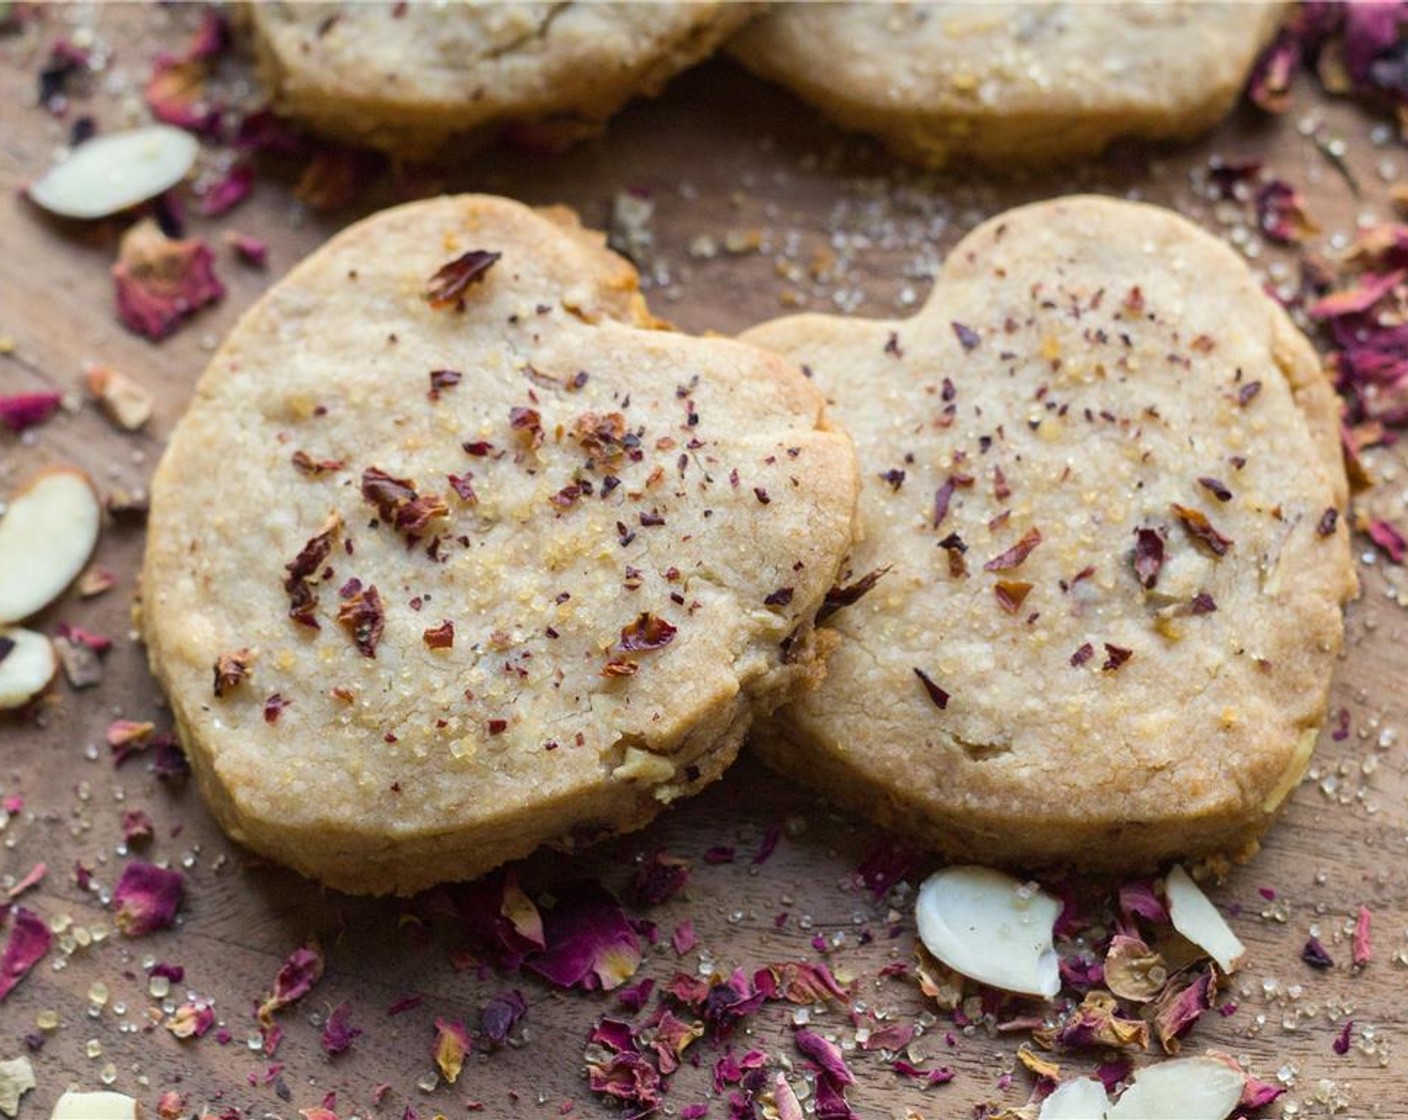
[[758, 207]]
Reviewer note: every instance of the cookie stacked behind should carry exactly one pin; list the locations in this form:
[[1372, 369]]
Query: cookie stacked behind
[[456, 552], [1096, 602], [411, 78], [1012, 84]]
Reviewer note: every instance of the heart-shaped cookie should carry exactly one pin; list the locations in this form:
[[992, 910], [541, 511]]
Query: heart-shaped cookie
[[457, 552], [1102, 544]]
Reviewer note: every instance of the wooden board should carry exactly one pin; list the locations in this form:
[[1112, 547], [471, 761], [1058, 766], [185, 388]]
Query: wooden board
[[818, 220]]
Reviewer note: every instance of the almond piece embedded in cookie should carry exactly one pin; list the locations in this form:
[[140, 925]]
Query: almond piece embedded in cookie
[[1096, 603], [520, 566], [46, 537], [28, 663]]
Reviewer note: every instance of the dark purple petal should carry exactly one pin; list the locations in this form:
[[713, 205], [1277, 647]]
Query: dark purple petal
[[590, 942], [146, 898], [26, 946]]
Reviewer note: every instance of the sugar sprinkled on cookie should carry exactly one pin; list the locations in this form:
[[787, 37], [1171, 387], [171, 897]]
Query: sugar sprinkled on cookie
[[457, 552], [1097, 596]]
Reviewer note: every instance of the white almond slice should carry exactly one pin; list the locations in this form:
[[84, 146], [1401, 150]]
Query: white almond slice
[[45, 540], [1197, 919], [16, 1079], [111, 173], [1082, 1099], [1184, 1089], [102, 1105], [28, 665], [991, 928]]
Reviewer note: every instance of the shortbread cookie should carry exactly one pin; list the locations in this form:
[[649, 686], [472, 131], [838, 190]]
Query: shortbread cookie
[[408, 77], [1012, 84], [1100, 522], [457, 552]]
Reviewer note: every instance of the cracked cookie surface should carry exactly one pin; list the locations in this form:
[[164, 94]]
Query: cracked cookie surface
[[411, 78], [456, 553], [1012, 84], [1101, 512]]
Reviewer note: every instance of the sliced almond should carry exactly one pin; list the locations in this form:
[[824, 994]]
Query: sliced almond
[[1081, 1099], [16, 1079], [111, 173], [126, 403], [1197, 919], [45, 540], [27, 665], [991, 928], [1184, 1089], [102, 1105]]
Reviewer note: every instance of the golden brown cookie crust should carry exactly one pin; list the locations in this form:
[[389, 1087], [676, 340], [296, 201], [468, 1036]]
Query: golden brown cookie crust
[[1008, 84], [1085, 368], [640, 528], [410, 78]]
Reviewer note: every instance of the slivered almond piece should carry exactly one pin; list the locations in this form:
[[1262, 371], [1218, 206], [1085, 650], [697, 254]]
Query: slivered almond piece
[[111, 173], [992, 928], [1184, 1089], [1081, 1099], [126, 403], [27, 665], [46, 539], [1197, 919], [96, 1106]]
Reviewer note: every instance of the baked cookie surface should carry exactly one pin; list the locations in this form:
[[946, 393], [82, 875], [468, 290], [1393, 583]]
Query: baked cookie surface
[[456, 554], [407, 78], [1008, 84], [1101, 485]]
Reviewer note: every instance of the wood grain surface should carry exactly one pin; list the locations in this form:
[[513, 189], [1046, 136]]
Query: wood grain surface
[[799, 216]]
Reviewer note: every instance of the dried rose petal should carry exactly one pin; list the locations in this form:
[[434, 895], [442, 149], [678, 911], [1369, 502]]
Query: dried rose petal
[[398, 503], [160, 282], [1098, 1022], [1014, 556], [1342, 1040], [338, 1031], [1357, 298], [232, 669], [364, 619], [1270, 84], [447, 286], [1314, 954], [825, 1054], [452, 1043], [660, 878], [190, 1020], [1363, 948], [250, 250], [1281, 214], [1202, 530], [1132, 970], [229, 191], [968, 338], [26, 946], [800, 983], [137, 827], [590, 943], [1389, 540], [1138, 898], [500, 1016], [500, 918], [1179, 1008], [19, 411], [296, 977], [306, 568], [146, 898], [843, 596], [646, 632], [937, 696], [1148, 556]]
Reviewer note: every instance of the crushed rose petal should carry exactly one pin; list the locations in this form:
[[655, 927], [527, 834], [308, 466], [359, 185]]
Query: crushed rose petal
[[146, 898]]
